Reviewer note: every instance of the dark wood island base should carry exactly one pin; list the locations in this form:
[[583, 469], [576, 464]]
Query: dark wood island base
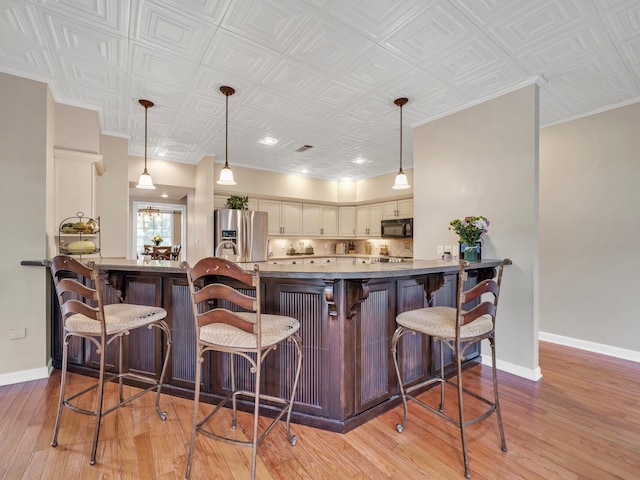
[[347, 316]]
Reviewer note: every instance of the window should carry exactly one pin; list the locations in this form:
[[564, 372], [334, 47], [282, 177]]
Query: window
[[164, 220]]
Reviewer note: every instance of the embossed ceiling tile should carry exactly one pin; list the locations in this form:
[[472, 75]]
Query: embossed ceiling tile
[[210, 105], [91, 75], [290, 75], [77, 38], [27, 59], [211, 9], [88, 96], [428, 33], [574, 73], [572, 46], [327, 45], [520, 23], [309, 112], [182, 134], [159, 68], [282, 128], [276, 25], [375, 19], [206, 81], [246, 116], [622, 18], [487, 81], [268, 100], [112, 122], [100, 13], [239, 56], [337, 94], [19, 21], [376, 67], [169, 29], [593, 93]]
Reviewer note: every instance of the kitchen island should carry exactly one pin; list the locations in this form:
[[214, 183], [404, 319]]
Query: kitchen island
[[347, 315]]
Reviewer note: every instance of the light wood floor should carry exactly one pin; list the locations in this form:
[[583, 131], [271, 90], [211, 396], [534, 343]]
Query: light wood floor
[[581, 421]]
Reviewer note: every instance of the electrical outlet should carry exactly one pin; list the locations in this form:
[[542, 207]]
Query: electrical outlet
[[407, 245], [440, 250]]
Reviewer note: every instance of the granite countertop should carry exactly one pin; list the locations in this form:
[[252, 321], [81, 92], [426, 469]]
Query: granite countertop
[[267, 270]]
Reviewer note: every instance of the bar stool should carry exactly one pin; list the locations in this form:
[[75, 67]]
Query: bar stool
[[84, 315], [457, 329], [244, 332]]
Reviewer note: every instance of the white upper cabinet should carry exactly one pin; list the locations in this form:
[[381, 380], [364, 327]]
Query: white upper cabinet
[[75, 183], [368, 219], [347, 222], [397, 209], [319, 220], [284, 218]]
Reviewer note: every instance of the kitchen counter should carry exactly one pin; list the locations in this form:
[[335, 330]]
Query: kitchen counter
[[347, 315], [268, 270]]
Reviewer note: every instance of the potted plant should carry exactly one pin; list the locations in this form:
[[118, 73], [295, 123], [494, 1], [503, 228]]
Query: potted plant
[[470, 230], [238, 202]]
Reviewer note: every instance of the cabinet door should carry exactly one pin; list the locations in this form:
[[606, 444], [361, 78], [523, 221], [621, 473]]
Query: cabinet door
[[375, 217], [291, 218], [311, 220], [347, 222], [330, 221], [405, 208], [389, 210], [363, 222], [75, 187], [272, 208]]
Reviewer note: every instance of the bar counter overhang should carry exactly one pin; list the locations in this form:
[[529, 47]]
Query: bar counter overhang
[[347, 315]]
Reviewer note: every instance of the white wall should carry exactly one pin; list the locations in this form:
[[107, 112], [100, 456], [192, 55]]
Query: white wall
[[24, 140], [484, 161], [113, 197], [589, 220], [199, 232]]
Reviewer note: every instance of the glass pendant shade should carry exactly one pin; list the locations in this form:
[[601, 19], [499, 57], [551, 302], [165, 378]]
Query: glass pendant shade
[[145, 182], [401, 182], [226, 175]]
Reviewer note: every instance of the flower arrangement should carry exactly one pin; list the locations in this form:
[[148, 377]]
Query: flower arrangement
[[470, 229], [157, 239]]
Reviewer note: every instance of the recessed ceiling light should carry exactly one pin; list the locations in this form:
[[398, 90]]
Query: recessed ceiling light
[[269, 141], [359, 160], [164, 195], [304, 171]]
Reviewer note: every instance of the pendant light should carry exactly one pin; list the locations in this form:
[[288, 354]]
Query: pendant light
[[145, 180], [401, 182], [226, 175]]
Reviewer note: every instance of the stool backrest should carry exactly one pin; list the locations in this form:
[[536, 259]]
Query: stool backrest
[[220, 293], [485, 306], [78, 289]]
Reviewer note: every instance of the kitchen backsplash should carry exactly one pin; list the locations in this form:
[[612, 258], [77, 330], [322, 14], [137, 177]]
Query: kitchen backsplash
[[396, 247]]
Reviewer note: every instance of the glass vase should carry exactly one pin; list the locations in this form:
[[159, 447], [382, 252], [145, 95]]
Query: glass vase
[[471, 253]]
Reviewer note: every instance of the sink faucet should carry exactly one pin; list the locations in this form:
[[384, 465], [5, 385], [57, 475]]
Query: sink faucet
[[226, 244]]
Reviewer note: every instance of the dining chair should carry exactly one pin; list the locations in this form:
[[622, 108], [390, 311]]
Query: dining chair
[[227, 310], [84, 315], [457, 328], [161, 253], [175, 252]]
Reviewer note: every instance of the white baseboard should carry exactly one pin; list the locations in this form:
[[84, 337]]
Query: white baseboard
[[534, 374], [26, 375], [594, 347]]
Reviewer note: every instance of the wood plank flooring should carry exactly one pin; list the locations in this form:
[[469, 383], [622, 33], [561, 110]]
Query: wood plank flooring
[[581, 421]]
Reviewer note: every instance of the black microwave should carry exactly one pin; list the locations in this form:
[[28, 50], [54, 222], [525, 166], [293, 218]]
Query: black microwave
[[397, 228]]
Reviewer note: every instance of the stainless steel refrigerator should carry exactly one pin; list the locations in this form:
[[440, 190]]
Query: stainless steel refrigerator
[[246, 229]]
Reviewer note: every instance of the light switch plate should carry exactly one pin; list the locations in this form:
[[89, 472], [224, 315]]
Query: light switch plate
[[440, 250]]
